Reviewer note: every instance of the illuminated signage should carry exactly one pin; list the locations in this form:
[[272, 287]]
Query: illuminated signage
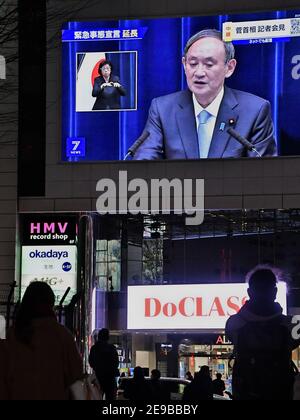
[[75, 147], [135, 99], [46, 229], [55, 265], [2, 67], [188, 306], [2, 327], [261, 29], [222, 340], [104, 34]]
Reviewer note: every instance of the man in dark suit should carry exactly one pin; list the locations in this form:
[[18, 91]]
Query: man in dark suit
[[177, 129]]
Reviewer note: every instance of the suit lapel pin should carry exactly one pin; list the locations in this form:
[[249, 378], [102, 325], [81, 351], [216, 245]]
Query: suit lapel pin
[[222, 126]]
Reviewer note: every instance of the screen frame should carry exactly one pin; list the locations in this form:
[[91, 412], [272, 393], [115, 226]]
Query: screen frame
[[225, 10]]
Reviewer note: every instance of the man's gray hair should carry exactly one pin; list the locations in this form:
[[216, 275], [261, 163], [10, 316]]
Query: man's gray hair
[[211, 33]]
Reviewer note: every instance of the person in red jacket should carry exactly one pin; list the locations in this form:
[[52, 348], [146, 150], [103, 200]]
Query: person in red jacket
[[41, 357]]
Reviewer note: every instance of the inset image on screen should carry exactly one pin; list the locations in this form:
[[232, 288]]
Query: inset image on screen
[[106, 81]]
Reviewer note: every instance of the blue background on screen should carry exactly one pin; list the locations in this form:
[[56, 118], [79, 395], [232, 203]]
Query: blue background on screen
[[262, 69]]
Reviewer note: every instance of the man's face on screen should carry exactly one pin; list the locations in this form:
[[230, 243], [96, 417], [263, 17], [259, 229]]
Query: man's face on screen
[[206, 70]]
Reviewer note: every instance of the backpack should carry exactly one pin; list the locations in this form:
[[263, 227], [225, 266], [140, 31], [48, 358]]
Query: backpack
[[262, 368]]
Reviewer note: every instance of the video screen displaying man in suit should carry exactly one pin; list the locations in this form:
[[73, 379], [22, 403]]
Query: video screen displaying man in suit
[[193, 123]]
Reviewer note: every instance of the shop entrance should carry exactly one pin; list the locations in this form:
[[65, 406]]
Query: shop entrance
[[216, 357], [174, 354], [216, 354]]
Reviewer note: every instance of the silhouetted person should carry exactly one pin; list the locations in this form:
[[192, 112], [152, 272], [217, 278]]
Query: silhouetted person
[[42, 358], [104, 360], [263, 343], [137, 389], [121, 379], [158, 391], [200, 389], [218, 385], [189, 376]]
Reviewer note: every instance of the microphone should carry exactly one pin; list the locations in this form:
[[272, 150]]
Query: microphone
[[241, 139], [132, 150]]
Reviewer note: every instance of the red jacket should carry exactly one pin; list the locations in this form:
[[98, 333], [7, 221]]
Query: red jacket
[[46, 369]]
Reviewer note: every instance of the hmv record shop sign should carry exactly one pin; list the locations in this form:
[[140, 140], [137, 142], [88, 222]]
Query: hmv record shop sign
[[48, 229]]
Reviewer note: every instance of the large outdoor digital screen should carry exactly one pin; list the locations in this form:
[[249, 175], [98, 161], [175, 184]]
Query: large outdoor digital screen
[[124, 80]]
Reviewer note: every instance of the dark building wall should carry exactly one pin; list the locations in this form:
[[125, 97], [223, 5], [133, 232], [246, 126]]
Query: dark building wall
[[32, 98], [228, 259], [8, 145]]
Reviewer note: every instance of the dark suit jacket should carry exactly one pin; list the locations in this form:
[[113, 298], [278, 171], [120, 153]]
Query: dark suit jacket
[[173, 133], [108, 97]]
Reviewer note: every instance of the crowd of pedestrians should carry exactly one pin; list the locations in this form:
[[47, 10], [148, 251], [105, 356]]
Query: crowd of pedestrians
[[39, 359]]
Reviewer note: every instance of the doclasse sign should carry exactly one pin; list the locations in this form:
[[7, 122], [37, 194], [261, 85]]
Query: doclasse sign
[[188, 306]]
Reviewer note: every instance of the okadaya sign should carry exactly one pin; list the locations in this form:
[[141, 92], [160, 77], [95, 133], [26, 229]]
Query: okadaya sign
[[188, 306], [55, 265]]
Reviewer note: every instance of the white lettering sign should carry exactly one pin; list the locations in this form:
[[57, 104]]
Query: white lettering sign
[[153, 198], [55, 265], [188, 306], [274, 28], [2, 67], [296, 68]]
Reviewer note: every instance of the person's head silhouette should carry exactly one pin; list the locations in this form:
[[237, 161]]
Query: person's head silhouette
[[38, 302], [262, 287], [138, 373], [37, 296], [204, 371], [103, 334], [155, 374]]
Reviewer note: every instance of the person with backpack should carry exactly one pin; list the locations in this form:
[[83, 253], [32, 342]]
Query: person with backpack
[[263, 343], [104, 360]]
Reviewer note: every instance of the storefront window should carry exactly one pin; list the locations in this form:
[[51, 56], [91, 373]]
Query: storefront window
[[152, 261], [108, 265]]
